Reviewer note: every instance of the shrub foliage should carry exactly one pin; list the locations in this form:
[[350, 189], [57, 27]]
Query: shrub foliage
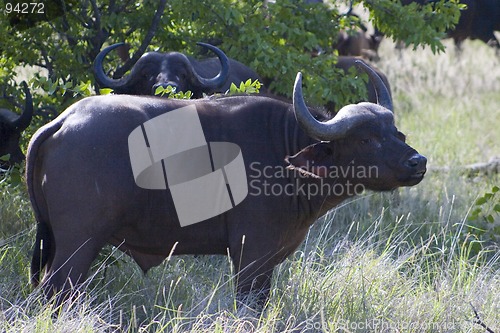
[[276, 39]]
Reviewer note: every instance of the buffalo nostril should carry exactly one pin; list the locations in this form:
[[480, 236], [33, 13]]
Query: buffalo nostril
[[416, 160]]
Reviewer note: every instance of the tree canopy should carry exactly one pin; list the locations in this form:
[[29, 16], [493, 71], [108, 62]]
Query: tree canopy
[[275, 39]]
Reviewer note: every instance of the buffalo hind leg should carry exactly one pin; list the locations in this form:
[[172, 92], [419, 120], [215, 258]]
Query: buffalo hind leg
[[69, 268]]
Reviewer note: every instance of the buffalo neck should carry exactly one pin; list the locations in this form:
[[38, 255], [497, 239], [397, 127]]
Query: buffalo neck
[[315, 196]]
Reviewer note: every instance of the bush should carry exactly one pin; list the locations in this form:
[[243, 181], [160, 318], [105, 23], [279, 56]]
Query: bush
[[275, 39]]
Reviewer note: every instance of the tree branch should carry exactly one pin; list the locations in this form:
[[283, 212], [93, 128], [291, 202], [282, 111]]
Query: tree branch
[[145, 43], [101, 34]]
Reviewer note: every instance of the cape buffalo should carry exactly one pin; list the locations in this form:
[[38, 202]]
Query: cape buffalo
[[358, 43], [155, 69], [297, 164], [11, 126], [479, 20]]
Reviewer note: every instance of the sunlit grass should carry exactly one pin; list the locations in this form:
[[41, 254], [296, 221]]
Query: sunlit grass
[[448, 104]]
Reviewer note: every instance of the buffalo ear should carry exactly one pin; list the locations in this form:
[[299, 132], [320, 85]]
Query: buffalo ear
[[311, 160]]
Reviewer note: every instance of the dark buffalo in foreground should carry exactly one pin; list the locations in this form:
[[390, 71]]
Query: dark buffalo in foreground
[[11, 127], [175, 69], [80, 178]]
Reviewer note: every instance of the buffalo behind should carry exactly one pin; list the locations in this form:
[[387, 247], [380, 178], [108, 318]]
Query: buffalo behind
[[11, 127], [81, 181]]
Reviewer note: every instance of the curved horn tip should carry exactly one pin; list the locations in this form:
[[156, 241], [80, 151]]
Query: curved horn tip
[[100, 56], [23, 121], [208, 46], [221, 78], [101, 78], [302, 114], [298, 78], [297, 90], [27, 91], [383, 95], [112, 46], [361, 63], [220, 54]]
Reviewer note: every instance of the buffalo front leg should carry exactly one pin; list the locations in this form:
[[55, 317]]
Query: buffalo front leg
[[253, 286], [254, 271]]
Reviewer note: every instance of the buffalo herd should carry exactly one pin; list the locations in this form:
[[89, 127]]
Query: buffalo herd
[[86, 170]]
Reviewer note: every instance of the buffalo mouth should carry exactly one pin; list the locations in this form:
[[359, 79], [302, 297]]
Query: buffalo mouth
[[413, 179], [418, 174], [416, 165]]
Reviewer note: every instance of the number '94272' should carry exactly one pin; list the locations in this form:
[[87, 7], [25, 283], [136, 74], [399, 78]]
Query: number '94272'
[[25, 7]]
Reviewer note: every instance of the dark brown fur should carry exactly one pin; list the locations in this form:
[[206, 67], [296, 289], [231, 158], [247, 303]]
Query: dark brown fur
[[11, 127], [84, 196]]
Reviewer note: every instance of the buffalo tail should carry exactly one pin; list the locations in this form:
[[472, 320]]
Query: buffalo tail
[[43, 246], [41, 252]]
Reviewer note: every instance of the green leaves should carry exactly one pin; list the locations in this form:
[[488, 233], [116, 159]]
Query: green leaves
[[485, 217], [83, 89], [247, 87], [47, 84], [13, 176], [276, 39], [171, 93], [5, 157], [415, 24], [105, 91], [54, 87]]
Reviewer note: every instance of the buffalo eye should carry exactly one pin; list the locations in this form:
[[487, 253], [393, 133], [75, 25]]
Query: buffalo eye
[[146, 74], [366, 141]]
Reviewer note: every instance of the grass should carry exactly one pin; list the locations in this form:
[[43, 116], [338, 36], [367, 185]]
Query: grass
[[447, 104], [375, 264]]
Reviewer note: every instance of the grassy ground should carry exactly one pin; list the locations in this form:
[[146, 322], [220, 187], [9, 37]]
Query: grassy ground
[[375, 264]]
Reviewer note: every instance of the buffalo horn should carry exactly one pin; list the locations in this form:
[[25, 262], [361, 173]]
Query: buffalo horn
[[102, 79], [335, 128], [221, 77], [383, 96], [25, 118], [338, 126]]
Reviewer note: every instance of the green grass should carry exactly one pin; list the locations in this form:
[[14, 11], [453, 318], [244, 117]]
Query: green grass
[[378, 263], [448, 105]]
